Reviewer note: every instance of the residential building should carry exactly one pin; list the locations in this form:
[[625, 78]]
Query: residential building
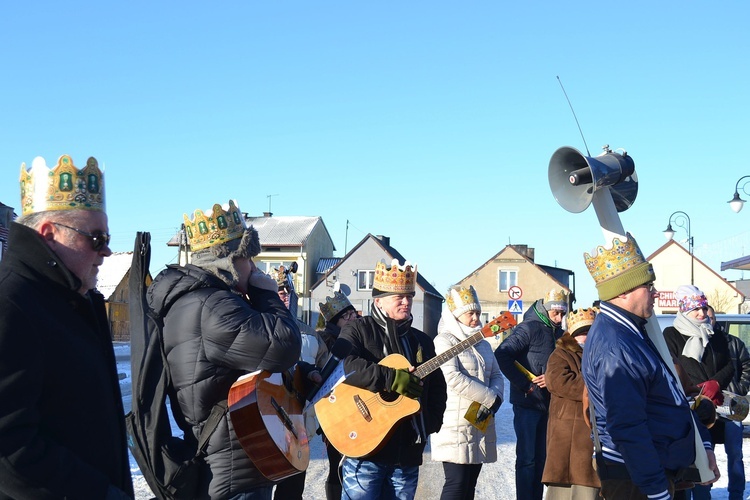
[[353, 276], [512, 281], [675, 266]]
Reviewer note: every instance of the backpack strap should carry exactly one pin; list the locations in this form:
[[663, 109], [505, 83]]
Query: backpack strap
[[212, 422]]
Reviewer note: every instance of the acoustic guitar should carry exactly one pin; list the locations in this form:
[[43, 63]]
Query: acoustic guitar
[[358, 422], [268, 421]]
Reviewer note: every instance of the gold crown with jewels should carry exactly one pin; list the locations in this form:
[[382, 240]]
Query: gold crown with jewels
[[334, 305], [580, 318], [215, 227], [618, 269], [462, 300], [63, 187], [398, 280]]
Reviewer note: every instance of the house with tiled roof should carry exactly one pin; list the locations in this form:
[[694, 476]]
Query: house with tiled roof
[[512, 281], [353, 276]]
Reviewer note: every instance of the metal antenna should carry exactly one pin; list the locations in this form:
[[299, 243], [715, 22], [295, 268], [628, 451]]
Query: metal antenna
[[269, 201], [574, 116]]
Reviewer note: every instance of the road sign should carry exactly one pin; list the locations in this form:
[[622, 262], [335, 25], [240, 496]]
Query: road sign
[[515, 306], [514, 292]]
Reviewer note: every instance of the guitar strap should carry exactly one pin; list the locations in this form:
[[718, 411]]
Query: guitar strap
[[210, 425]]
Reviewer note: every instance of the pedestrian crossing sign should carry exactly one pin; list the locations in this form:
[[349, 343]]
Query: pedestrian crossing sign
[[515, 306]]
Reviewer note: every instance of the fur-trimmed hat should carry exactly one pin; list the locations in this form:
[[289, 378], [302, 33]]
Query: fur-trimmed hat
[[619, 268], [555, 300], [462, 300], [690, 297]]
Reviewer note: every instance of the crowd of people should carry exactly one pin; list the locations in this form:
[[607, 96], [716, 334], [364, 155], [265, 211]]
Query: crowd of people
[[597, 409]]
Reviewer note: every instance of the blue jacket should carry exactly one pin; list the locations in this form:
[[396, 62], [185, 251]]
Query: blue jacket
[[531, 344], [642, 416]]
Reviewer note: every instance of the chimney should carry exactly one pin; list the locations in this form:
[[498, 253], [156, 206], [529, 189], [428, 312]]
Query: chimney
[[525, 251], [267, 214], [385, 239]]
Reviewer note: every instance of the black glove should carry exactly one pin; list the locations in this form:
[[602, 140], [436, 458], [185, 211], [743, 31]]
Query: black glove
[[496, 405], [483, 413], [407, 384]]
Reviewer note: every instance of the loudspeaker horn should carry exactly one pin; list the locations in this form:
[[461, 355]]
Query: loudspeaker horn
[[573, 178]]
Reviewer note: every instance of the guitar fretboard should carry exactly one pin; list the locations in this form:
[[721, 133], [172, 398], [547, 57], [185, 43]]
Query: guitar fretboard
[[433, 364]]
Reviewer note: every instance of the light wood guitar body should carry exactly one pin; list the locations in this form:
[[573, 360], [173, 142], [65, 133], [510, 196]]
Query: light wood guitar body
[[358, 422]]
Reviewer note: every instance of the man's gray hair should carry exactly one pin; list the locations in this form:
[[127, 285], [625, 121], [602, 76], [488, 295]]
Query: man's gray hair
[[36, 219]]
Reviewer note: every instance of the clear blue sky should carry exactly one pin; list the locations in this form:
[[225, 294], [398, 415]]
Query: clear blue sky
[[430, 122]]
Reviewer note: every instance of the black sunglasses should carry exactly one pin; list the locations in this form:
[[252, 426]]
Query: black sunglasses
[[98, 238]]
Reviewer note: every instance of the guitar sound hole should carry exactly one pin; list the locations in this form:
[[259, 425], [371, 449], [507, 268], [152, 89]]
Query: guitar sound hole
[[389, 396]]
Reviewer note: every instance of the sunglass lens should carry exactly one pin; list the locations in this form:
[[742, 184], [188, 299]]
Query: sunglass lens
[[99, 239]]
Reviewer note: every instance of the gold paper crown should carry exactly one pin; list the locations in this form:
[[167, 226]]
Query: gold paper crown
[[580, 318], [619, 269], [61, 188], [607, 263], [398, 280], [556, 296], [334, 305], [462, 300], [215, 227]]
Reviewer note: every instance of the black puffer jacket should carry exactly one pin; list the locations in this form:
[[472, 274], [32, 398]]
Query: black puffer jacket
[[212, 335], [62, 427], [740, 383], [531, 344], [369, 346]]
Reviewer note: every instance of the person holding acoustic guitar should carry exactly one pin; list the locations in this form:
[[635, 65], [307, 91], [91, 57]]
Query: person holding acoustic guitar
[[223, 318], [474, 380], [392, 470]]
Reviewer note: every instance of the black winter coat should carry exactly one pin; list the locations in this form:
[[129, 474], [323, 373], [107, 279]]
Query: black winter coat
[[716, 364], [62, 428], [369, 346], [531, 344], [212, 335], [740, 383]]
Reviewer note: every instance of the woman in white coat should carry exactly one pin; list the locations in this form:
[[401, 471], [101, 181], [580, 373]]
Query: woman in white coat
[[472, 376]]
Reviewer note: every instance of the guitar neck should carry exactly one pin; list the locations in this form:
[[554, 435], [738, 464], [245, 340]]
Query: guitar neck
[[433, 364]]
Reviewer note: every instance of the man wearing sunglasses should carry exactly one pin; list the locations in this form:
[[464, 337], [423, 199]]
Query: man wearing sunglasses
[[62, 430]]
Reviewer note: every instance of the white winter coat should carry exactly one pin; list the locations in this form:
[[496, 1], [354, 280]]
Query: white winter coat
[[473, 375]]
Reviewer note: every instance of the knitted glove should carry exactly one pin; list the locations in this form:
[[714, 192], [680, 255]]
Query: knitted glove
[[712, 391], [407, 384]]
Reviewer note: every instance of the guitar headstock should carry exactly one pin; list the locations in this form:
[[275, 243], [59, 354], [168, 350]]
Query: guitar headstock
[[504, 322]]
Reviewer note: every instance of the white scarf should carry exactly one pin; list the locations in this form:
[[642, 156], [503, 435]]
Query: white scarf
[[698, 333]]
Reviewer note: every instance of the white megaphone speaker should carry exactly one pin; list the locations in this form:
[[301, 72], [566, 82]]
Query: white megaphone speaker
[[573, 178]]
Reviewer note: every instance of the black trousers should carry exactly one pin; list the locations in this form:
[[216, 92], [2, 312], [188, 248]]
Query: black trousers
[[460, 481]]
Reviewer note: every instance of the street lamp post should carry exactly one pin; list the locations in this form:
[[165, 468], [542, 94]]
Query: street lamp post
[[682, 220], [736, 202]]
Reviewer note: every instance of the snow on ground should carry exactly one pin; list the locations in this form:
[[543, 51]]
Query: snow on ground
[[495, 482]]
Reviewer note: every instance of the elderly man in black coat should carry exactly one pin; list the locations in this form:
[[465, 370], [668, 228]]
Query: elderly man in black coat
[[62, 429]]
